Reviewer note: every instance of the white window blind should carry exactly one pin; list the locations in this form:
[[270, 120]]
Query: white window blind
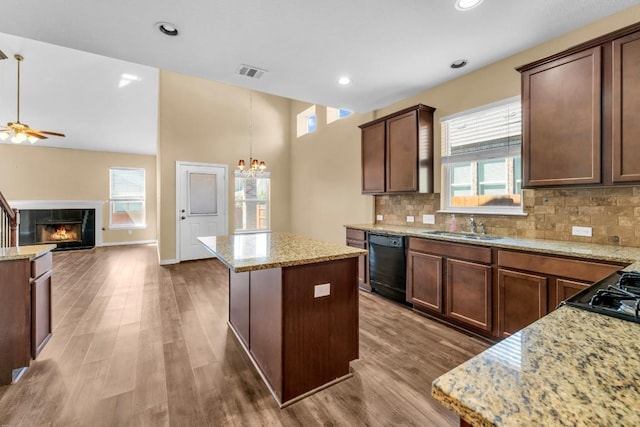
[[127, 198], [481, 159]]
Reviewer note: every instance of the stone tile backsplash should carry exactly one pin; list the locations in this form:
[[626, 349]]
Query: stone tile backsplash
[[613, 214]]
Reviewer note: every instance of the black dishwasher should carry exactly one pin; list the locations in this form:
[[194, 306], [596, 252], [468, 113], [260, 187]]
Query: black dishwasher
[[387, 266]]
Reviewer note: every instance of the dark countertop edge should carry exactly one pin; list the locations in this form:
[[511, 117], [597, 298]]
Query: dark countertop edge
[[541, 246]]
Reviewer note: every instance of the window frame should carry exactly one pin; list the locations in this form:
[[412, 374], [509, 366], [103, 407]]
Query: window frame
[[509, 153], [138, 199]]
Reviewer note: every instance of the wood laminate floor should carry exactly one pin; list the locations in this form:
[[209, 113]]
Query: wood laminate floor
[[135, 343]]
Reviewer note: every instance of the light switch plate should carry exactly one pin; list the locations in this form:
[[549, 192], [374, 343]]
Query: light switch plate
[[428, 219], [322, 290], [379, 217], [581, 231], [410, 218]]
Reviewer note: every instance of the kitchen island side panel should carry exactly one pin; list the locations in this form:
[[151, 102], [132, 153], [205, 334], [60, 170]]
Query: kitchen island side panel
[[265, 324], [239, 304], [320, 332]]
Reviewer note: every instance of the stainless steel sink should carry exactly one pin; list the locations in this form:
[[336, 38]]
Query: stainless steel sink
[[462, 235]]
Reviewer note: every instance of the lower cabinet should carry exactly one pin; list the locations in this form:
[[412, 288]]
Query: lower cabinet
[[358, 239], [451, 280], [532, 285]]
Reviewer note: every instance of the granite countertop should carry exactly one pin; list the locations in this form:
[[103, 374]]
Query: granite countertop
[[590, 251], [24, 252], [258, 251], [570, 368]]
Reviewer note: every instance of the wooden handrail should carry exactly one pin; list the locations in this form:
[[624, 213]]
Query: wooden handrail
[[12, 214]]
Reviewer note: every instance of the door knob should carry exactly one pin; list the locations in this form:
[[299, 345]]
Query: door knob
[[183, 217]]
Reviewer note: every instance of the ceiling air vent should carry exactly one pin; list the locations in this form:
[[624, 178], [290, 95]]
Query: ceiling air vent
[[251, 71]]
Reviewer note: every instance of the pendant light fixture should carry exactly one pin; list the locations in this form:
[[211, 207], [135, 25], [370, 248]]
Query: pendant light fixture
[[256, 167], [20, 132]]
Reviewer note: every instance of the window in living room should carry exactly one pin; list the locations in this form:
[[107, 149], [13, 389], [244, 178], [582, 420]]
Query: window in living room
[[481, 163], [306, 121], [334, 114], [127, 198]]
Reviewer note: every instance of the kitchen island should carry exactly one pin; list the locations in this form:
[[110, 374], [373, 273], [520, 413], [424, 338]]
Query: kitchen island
[[293, 305], [570, 368]]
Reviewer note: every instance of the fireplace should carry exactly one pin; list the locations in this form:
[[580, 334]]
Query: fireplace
[[67, 228]]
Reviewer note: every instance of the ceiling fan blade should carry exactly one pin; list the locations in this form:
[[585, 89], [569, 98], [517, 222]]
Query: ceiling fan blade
[[35, 134], [46, 132]]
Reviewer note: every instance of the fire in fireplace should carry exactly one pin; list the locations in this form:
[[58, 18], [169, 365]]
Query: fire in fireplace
[[54, 233]]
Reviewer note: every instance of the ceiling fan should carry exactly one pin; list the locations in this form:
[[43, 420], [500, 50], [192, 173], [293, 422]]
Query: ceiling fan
[[20, 132]]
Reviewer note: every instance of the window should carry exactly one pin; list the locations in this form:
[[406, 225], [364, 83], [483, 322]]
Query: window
[[334, 114], [252, 202], [306, 121], [481, 163], [126, 198]]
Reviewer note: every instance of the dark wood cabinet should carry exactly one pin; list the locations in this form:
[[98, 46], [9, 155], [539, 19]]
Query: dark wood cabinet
[[522, 299], [25, 312], [397, 152], [424, 281], [358, 239], [469, 296], [579, 114], [531, 285], [452, 281]]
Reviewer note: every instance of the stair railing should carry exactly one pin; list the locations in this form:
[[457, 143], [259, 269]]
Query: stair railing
[[8, 224]]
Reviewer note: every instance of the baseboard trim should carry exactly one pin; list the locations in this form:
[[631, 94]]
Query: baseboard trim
[[132, 242], [169, 261]]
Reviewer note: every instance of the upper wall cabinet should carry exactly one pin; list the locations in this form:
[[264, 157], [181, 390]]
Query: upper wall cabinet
[[397, 152], [579, 110]]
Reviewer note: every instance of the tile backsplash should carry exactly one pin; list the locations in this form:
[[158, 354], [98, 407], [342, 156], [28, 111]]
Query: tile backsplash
[[613, 213]]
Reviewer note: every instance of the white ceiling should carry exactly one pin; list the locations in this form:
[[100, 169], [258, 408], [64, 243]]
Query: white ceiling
[[390, 49]]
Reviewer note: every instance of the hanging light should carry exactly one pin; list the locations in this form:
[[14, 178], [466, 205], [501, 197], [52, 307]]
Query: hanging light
[[255, 167], [20, 132]]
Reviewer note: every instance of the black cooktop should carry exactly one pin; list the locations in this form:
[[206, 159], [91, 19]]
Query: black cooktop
[[617, 296]]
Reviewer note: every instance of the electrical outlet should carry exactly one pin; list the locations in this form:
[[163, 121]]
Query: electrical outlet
[[379, 217], [428, 219], [410, 218], [581, 231], [322, 290]]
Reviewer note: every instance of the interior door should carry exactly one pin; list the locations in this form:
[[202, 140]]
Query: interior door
[[202, 207]]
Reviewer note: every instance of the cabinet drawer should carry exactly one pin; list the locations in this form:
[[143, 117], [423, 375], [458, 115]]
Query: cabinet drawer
[[451, 250], [561, 267], [353, 234], [41, 265]]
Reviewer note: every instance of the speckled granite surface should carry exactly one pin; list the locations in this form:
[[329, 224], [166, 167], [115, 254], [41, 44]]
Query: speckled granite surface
[[621, 254], [570, 368], [246, 252], [24, 252]]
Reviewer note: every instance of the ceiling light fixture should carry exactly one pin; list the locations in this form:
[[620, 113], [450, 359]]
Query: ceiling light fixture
[[467, 4], [255, 167], [167, 28], [458, 63], [344, 80], [20, 132]]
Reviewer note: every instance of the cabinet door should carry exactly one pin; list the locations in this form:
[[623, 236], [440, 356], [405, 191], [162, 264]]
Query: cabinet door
[[561, 103], [402, 153], [522, 299], [468, 293], [363, 263], [566, 289], [424, 281], [626, 108], [40, 313], [373, 158]]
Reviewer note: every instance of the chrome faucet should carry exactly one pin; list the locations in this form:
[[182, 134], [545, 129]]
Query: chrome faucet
[[483, 229], [472, 223]]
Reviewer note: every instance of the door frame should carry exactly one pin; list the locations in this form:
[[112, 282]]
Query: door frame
[[179, 164]]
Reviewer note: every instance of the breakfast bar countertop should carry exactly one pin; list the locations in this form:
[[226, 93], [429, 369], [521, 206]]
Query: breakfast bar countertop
[[25, 252], [259, 251], [570, 368]]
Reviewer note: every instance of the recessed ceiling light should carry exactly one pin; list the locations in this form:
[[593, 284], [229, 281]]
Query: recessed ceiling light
[[344, 80], [167, 28], [458, 63], [467, 4]]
